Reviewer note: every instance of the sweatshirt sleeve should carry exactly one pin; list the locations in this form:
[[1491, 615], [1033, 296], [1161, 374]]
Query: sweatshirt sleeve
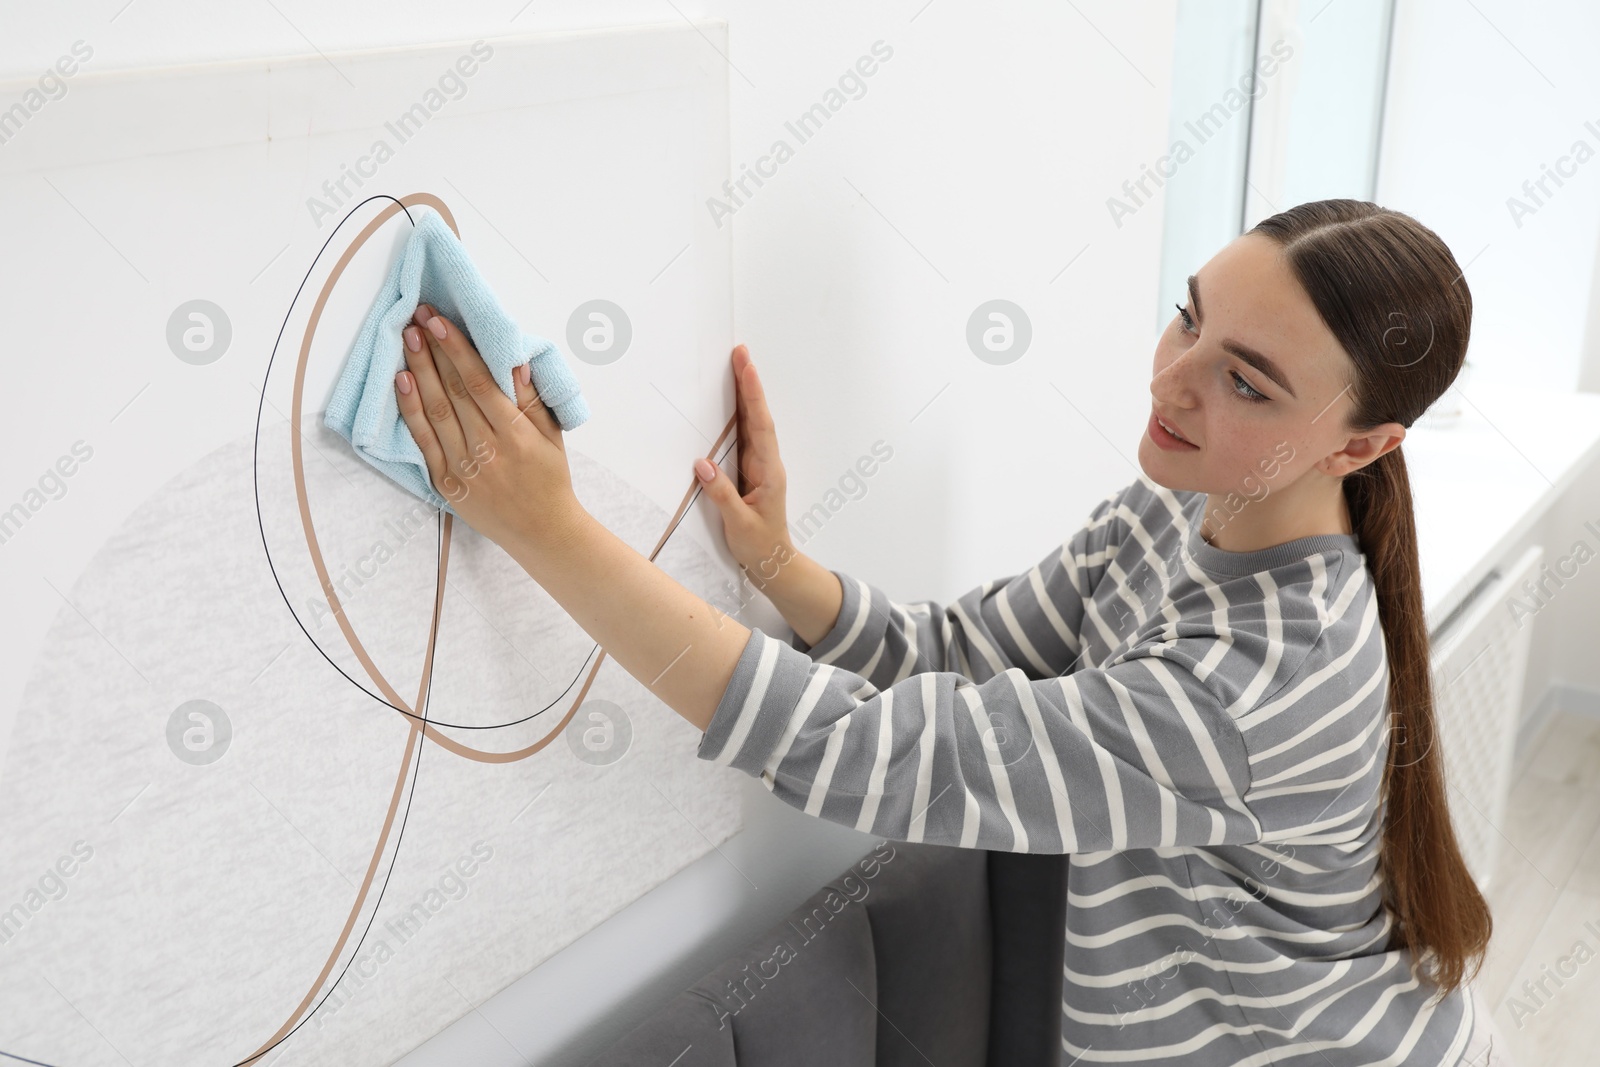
[[1030, 620], [1139, 754]]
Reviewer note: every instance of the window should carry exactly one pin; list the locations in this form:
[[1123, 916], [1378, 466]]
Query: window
[[1273, 104]]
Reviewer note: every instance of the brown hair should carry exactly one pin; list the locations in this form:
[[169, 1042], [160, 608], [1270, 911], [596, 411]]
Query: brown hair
[[1394, 298]]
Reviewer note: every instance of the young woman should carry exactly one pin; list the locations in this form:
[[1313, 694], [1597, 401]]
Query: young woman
[[1215, 696]]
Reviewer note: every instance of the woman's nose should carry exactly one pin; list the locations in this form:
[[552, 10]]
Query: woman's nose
[[1170, 384], [1174, 382]]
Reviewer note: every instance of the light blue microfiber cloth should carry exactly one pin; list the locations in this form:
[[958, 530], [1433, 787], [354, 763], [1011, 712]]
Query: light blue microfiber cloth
[[434, 269]]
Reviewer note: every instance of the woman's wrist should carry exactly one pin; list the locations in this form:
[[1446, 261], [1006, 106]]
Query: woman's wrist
[[555, 530], [806, 594], [769, 572]]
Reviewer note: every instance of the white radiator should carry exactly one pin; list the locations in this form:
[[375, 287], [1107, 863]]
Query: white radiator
[[1480, 656]]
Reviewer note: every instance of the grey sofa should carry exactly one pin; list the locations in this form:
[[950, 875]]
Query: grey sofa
[[916, 954]]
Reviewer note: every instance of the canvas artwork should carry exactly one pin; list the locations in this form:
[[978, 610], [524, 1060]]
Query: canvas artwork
[[292, 753]]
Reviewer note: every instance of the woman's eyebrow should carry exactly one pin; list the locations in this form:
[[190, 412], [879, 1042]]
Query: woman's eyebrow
[[1244, 352]]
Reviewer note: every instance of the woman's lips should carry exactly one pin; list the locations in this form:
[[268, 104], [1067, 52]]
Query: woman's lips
[[1165, 440]]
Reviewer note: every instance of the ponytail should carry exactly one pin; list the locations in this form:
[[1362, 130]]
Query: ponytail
[[1439, 912]]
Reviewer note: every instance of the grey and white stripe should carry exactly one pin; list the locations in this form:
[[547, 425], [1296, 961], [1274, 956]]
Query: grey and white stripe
[[1202, 731]]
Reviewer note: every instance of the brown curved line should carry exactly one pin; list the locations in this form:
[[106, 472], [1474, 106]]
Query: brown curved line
[[350, 922], [388, 820], [448, 743]]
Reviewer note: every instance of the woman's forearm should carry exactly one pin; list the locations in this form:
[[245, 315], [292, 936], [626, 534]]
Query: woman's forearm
[[502, 463], [672, 641], [806, 593]]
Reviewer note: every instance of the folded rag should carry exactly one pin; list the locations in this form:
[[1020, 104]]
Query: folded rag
[[434, 269]]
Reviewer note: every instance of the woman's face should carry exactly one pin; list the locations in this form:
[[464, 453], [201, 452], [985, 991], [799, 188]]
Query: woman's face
[[1249, 374]]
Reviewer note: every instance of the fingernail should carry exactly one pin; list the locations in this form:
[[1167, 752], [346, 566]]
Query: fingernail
[[422, 314], [436, 327], [413, 338], [403, 382], [704, 470]]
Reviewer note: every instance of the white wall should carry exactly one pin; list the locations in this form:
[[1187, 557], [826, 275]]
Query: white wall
[[975, 165]]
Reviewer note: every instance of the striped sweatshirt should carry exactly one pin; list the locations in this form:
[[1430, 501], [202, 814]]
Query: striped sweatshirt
[[1203, 732]]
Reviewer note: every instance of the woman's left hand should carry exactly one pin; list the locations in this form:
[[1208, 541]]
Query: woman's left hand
[[501, 465]]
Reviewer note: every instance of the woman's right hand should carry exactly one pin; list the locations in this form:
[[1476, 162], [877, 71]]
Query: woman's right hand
[[754, 521]]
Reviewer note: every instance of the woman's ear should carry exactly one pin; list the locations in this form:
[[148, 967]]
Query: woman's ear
[[1363, 449]]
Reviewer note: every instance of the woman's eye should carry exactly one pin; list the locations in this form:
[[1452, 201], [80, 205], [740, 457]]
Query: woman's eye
[[1188, 323], [1248, 393]]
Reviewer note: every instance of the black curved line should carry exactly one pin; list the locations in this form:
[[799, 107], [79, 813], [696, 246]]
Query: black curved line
[[261, 523]]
